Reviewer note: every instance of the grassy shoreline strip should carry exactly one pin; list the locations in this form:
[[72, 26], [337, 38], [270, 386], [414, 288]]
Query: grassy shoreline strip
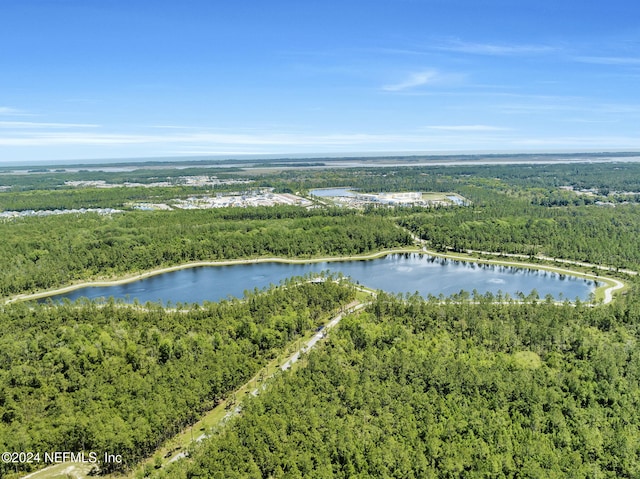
[[604, 292], [169, 269]]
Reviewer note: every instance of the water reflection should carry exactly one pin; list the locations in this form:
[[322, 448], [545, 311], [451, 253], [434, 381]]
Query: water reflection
[[397, 273]]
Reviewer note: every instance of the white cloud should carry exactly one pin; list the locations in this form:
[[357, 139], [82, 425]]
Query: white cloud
[[582, 142], [82, 143], [72, 138], [174, 127], [525, 104], [476, 128], [630, 61], [32, 124], [6, 110], [415, 80], [493, 49], [199, 151], [82, 138], [207, 140]]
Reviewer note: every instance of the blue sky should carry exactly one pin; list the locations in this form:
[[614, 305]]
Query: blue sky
[[88, 79]]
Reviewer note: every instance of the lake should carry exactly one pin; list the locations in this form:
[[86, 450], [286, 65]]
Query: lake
[[396, 273], [330, 192]]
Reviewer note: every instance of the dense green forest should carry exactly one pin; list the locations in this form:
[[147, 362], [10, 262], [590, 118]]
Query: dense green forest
[[120, 378], [410, 388], [609, 236], [41, 253], [418, 389], [611, 178]]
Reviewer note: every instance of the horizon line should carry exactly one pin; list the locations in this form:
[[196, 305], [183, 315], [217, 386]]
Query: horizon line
[[239, 157]]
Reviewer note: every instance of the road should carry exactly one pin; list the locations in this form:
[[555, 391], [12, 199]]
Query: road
[[608, 292], [310, 344], [350, 308]]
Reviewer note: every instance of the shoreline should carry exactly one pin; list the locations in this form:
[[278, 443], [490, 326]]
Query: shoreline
[[611, 284], [196, 264]]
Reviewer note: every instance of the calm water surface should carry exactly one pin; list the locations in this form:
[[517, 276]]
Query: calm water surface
[[396, 273], [326, 192]]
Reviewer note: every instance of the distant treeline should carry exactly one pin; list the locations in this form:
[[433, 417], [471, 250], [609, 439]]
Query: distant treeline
[[540, 183], [74, 198], [43, 178]]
